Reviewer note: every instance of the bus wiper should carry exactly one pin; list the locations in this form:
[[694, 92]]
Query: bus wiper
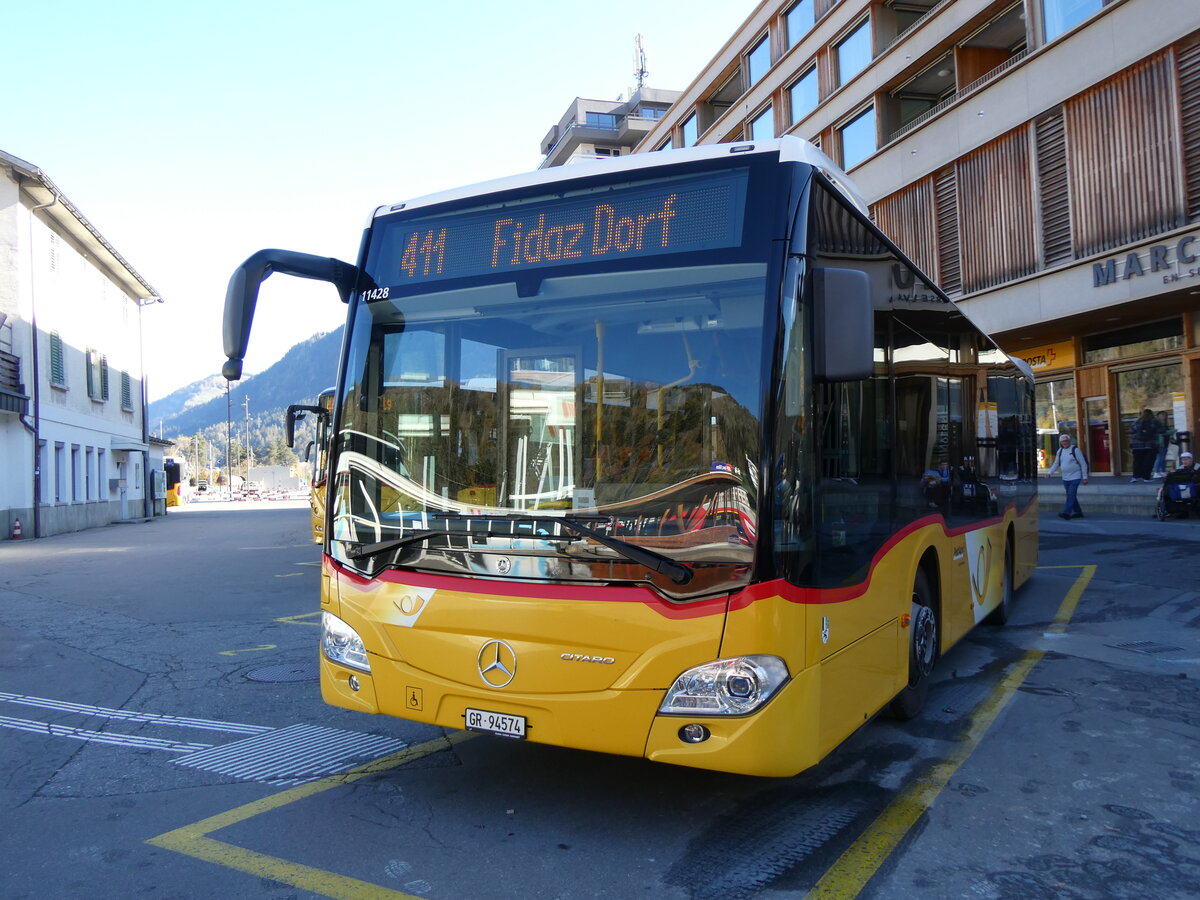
[[656, 562], [356, 550]]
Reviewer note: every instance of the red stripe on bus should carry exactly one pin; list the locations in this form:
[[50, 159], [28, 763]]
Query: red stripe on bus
[[630, 594]]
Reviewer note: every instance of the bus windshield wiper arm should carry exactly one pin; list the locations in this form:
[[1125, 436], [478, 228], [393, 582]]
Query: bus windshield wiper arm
[[656, 562], [356, 550]]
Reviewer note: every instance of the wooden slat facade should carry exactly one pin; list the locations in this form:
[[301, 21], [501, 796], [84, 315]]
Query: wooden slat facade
[[905, 218], [1124, 161], [995, 184], [1054, 196], [1187, 66]]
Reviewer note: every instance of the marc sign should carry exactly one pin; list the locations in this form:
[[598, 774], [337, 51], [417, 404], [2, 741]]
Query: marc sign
[[1172, 259]]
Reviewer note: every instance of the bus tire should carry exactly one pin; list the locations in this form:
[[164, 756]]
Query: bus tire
[[999, 615], [922, 652]]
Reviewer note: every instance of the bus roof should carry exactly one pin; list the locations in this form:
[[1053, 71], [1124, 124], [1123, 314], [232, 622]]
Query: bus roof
[[790, 149]]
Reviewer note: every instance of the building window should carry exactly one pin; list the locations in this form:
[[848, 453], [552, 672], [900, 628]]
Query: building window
[[854, 52], [689, 131], [762, 126], [1060, 16], [76, 474], [802, 95], [126, 392], [60, 470], [650, 112], [799, 21], [97, 375], [89, 487], [58, 366], [758, 61], [602, 120], [1138, 340], [858, 138]]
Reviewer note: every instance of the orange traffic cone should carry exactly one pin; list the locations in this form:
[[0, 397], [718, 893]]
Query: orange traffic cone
[[16, 532]]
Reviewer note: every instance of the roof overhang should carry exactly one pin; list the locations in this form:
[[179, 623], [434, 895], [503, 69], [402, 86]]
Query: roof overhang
[[49, 199], [120, 443]]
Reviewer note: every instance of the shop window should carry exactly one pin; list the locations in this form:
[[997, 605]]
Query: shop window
[[1151, 388], [1057, 414], [1138, 340]]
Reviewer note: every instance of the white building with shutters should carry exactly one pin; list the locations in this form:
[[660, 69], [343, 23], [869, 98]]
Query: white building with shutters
[[75, 450]]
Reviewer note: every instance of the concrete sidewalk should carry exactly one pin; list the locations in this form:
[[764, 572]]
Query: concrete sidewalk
[[1102, 495]]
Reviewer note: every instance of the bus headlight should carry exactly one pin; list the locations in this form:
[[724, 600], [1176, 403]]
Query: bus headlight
[[341, 643], [726, 687]]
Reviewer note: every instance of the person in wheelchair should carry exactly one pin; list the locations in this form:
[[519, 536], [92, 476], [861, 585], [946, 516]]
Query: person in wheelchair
[[1180, 489]]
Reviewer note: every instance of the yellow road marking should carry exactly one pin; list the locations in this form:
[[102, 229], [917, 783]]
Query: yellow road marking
[[194, 840], [859, 863], [295, 620], [248, 650]]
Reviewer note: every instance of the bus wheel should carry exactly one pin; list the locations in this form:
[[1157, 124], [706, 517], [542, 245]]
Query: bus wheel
[[999, 615], [922, 653]]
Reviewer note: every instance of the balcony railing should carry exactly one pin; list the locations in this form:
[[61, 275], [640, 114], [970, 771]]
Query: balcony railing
[[12, 392], [965, 91]]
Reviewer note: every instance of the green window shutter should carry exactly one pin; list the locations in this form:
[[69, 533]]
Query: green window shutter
[[58, 370], [126, 391], [103, 377]]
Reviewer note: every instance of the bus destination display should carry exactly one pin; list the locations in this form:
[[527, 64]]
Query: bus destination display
[[671, 216]]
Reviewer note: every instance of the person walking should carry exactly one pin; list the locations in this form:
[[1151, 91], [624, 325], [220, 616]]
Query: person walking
[[1073, 464], [1143, 442]]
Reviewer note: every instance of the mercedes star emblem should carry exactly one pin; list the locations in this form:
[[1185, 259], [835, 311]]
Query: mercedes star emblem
[[497, 664]]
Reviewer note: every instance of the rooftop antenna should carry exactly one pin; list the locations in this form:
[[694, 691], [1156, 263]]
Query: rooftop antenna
[[639, 62]]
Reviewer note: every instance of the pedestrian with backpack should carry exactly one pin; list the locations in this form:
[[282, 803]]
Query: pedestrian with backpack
[[1073, 464]]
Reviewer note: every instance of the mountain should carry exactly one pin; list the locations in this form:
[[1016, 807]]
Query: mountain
[[202, 407]]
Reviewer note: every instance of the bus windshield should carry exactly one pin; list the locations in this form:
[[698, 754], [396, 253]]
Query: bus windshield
[[625, 400]]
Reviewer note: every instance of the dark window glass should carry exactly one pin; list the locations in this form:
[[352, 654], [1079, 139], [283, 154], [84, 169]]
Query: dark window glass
[[854, 53], [803, 95], [758, 61], [1061, 16], [799, 21]]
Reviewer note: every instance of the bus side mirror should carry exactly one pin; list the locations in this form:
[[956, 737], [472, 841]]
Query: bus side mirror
[[843, 325], [242, 294], [294, 414], [308, 450]]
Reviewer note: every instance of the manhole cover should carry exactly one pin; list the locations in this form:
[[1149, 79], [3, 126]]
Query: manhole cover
[[305, 671]]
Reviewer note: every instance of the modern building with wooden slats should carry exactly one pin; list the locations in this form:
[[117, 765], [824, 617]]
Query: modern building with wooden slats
[[1039, 159]]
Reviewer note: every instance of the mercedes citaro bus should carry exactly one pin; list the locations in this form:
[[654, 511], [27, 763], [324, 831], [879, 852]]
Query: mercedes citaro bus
[[674, 455]]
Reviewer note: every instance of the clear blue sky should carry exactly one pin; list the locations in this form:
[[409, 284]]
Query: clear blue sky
[[193, 134]]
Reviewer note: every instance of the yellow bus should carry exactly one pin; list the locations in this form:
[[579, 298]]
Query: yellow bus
[[317, 454], [176, 470], [675, 456]]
